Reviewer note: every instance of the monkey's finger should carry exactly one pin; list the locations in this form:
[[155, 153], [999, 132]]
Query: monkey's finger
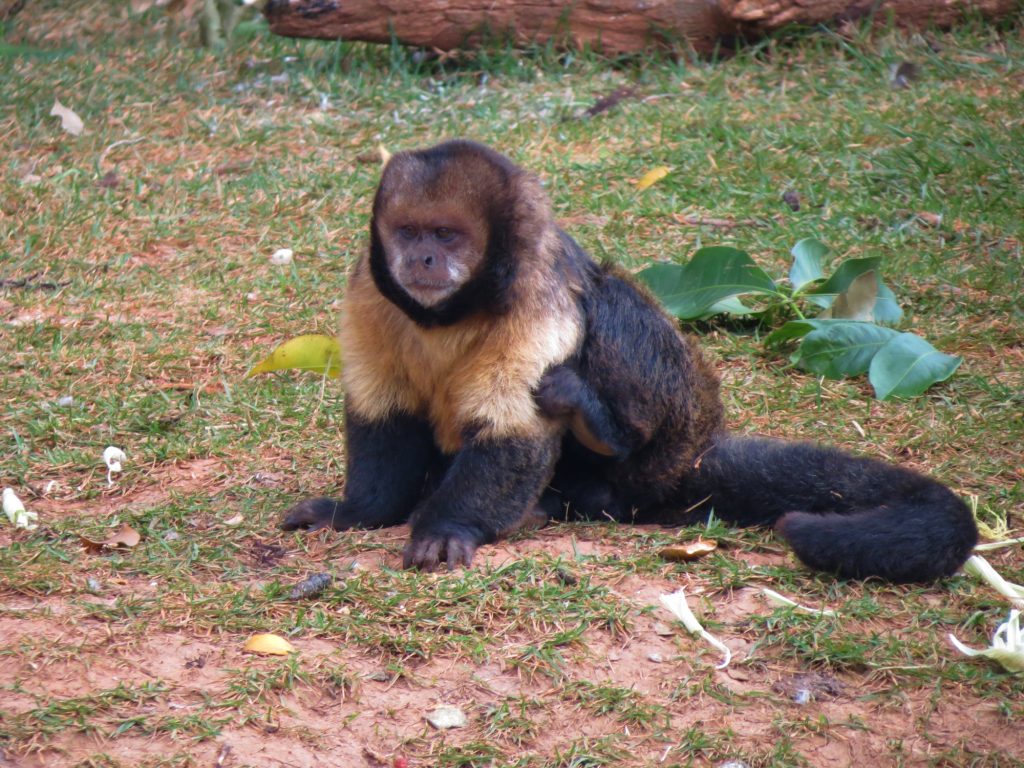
[[460, 552], [424, 554]]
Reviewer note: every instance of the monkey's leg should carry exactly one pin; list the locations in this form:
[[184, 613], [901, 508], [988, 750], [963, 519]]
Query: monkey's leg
[[386, 468], [534, 518], [487, 489]]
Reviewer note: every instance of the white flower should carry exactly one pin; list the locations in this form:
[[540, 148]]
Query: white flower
[[979, 567], [282, 257], [676, 603], [113, 457], [16, 512], [775, 597], [1007, 645]]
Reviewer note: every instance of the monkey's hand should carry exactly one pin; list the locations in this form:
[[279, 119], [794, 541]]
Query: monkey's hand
[[317, 513], [562, 395], [454, 547], [560, 392]]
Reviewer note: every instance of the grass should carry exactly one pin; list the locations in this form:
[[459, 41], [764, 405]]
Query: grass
[[137, 282]]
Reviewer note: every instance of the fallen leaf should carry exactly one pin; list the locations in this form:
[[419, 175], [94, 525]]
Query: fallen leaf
[[266, 643], [313, 352], [691, 550], [236, 520], [653, 176], [124, 537], [69, 121]]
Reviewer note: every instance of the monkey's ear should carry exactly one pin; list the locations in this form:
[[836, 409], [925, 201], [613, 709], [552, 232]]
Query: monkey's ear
[[385, 156]]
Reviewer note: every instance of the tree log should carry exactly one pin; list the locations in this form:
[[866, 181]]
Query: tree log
[[610, 26]]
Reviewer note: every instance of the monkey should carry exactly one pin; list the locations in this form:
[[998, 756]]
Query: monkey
[[497, 376], [461, 303]]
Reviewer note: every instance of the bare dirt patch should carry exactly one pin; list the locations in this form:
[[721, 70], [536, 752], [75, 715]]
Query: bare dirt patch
[[358, 705]]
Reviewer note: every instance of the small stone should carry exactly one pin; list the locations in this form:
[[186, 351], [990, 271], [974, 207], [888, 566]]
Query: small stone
[[446, 717], [656, 657], [66, 402], [282, 257], [660, 628]]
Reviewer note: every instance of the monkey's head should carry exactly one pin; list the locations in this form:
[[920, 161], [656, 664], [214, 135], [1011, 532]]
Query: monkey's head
[[453, 226]]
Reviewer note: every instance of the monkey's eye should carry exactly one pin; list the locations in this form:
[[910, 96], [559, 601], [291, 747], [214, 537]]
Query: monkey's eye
[[408, 232], [444, 234]]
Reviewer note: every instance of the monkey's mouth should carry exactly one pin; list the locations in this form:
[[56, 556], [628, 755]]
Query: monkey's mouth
[[430, 292], [431, 285]]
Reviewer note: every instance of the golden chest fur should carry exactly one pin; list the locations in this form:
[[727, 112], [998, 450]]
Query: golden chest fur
[[477, 374]]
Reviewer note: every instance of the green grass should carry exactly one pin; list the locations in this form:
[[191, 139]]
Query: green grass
[[136, 280]]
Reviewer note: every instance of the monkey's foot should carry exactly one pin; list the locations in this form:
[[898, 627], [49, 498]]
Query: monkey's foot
[[428, 552], [314, 514]]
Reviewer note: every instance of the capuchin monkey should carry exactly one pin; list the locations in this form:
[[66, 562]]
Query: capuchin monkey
[[496, 376]]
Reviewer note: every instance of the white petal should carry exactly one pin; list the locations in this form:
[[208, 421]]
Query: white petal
[[676, 603], [778, 599]]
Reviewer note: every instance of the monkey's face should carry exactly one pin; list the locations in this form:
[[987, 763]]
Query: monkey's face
[[432, 250], [452, 226]]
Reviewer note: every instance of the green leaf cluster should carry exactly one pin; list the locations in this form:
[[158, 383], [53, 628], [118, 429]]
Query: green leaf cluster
[[849, 335]]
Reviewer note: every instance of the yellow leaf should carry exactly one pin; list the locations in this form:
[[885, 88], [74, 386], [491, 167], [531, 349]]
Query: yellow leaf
[[688, 551], [652, 177], [311, 352], [267, 643]]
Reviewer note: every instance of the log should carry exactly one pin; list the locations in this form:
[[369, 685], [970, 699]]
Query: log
[[609, 26]]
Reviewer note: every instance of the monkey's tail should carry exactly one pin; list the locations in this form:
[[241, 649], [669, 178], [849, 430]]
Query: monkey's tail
[[853, 516]]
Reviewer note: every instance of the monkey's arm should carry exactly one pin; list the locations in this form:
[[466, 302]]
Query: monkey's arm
[[386, 466], [487, 489], [563, 394]]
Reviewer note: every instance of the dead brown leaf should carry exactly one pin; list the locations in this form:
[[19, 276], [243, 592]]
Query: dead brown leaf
[[691, 550], [124, 537]]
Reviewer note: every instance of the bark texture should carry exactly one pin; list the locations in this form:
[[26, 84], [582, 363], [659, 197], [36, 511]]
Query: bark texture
[[612, 26]]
